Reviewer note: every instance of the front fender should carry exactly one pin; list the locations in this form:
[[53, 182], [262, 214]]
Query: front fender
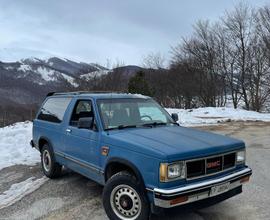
[[145, 168], [126, 163]]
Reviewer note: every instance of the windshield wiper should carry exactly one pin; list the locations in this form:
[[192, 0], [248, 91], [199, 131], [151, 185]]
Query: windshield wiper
[[121, 127], [154, 124], [126, 126], [150, 125]]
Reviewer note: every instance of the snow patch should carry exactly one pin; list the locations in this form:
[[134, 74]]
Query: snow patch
[[9, 68], [52, 75], [15, 147], [46, 74], [19, 190], [211, 115], [140, 96], [70, 80], [92, 75], [31, 60], [24, 67]]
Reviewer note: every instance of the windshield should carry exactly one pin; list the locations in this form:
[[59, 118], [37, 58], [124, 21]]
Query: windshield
[[122, 113]]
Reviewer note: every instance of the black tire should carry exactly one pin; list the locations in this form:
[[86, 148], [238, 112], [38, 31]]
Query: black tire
[[112, 194], [51, 169]]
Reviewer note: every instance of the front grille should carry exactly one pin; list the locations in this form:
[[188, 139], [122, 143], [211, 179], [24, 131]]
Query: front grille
[[214, 164], [229, 160], [195, 168], [210, 165]]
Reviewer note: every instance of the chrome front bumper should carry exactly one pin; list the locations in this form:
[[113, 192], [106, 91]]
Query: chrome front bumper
[[167, 198]]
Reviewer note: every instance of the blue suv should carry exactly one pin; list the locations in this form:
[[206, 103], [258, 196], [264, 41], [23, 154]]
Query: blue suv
[[141, 155]]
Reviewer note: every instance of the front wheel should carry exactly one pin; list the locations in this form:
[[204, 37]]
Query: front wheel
[[124, 198]]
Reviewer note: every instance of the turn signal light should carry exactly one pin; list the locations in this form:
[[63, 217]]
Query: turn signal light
[[245, 179], [179, 200], [163, 172]]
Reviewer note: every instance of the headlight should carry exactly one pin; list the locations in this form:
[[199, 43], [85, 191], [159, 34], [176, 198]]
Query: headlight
[[241, 157], [173, 171]]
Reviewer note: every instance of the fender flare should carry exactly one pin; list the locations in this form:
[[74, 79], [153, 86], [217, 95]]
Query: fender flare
[[126, 163], [47, 140]]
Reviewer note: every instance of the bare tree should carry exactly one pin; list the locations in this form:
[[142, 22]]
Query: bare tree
[[202, 49], [259, 65], [264, 18], [230, 58], [227, 65], [239, 26], [154, 61]]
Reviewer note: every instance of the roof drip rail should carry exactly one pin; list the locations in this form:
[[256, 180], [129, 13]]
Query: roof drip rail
[[81, 92]]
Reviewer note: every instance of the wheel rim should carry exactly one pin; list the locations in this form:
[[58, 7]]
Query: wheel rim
[[46, 160], [125, 202]]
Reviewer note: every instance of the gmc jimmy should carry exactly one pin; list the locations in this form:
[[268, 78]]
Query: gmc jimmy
[[133, 147]]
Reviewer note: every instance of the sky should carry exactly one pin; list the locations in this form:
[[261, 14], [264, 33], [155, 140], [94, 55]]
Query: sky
[[102, 31]]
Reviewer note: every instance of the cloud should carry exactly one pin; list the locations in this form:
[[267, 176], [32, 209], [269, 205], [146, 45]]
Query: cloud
[[95, 30]]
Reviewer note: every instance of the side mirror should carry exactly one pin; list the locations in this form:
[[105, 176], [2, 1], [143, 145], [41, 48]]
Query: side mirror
[[175, 117], [86, 123]]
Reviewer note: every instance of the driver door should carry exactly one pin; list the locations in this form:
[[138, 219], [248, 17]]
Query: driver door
[[82, 145]]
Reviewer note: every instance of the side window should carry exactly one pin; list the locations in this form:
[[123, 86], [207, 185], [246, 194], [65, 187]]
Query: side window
[[82, 109], [54, 109], [117, 114]]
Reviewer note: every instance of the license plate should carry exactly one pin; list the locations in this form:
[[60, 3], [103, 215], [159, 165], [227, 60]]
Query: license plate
[[216, 190]]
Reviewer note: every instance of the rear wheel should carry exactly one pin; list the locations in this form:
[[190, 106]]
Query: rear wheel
[[124, 198], [50, 167]]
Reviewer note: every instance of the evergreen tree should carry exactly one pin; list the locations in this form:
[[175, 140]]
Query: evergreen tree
[[138, 84]]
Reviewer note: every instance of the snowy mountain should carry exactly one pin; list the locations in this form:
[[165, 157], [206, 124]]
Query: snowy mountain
[[27, 81], [49, 70]]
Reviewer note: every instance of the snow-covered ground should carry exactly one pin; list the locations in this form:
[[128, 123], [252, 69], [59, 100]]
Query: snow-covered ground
[[210, 115], [19, 190], [15, 147]]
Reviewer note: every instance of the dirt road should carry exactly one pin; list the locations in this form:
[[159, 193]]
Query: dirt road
[[75, 197]]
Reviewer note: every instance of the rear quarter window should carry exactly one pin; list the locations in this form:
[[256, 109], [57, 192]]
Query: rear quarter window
[[53, 109]]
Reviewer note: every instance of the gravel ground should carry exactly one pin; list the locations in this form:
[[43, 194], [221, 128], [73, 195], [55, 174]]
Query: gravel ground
[[75, 197]]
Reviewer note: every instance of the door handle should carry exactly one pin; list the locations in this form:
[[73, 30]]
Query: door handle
[[68, 130]]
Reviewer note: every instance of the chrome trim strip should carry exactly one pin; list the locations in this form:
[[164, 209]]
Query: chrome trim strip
[[194, 197], [148, 189], [203, 184], [80, 163]]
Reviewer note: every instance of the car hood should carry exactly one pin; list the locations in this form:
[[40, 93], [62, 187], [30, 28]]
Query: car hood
[[175, 142]]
